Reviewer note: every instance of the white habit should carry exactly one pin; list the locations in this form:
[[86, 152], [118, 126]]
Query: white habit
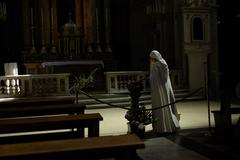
[[162, 93]]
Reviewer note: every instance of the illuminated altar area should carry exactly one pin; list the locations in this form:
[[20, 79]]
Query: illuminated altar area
[[67, 37]]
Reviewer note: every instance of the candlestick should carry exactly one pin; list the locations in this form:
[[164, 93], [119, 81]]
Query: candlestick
[[97, 27], [32, 16], [107, 17], [42, 16], [97, 16], [108, 49], [52, 17]]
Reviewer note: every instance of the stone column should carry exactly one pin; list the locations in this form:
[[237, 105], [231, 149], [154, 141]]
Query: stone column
[[198, 50], [196, 75]]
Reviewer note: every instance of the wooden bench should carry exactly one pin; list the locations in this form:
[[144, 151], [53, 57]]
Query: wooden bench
[[232, 110], [40, 110], [235, 110], [49, 123], [119, 146], [223, 121], [36, 101]]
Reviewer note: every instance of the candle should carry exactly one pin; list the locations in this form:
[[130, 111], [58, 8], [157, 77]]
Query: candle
[[32, 16], [107, 17], [97, 16], [42, 16], [52, 17]]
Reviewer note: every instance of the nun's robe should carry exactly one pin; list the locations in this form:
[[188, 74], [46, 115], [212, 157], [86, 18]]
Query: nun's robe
[[165, 119]]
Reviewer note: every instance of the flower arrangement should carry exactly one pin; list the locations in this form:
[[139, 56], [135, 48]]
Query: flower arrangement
[[135, 86], [80, 83], [138, 119], [137, 116]]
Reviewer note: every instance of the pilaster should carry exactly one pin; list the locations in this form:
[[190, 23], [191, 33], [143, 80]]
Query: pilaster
[[198, 41]]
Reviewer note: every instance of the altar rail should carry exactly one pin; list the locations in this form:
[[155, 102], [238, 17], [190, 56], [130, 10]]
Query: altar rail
[[34, 85], [117, 82]]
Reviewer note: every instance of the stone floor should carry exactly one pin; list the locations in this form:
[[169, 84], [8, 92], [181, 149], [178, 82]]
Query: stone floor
[[194, 141], [161, 148], [193, 114]]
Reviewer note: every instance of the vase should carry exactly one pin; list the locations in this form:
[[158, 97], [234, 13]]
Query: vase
[[134, 129]]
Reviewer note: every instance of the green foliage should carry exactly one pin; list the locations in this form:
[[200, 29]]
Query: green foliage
[[140, 115], [80, 83], [138, 118]]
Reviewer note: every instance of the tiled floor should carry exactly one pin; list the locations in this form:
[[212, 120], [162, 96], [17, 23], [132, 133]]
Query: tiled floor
[[194, 115]]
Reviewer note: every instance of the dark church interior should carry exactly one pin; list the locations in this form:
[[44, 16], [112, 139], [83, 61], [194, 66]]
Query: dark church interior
[[54, 41]]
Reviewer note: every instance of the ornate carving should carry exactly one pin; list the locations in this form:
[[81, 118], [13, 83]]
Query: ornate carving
[[187, 16], [195, 3], [197, 48]]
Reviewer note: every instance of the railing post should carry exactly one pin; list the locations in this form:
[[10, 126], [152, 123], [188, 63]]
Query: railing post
[[22, 86], [66, 84], [58, 85], [115, 77], [116, 82], [30, 80]]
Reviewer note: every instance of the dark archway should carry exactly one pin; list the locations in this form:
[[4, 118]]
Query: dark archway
[[198, 29]]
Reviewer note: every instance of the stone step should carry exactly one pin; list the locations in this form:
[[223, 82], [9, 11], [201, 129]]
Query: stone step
[[125, 100], [178, 93], [126, 103]]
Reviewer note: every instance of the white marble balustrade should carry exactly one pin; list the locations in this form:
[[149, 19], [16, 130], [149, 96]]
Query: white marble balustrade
[[177, 79], [117, 82], [34, 85]]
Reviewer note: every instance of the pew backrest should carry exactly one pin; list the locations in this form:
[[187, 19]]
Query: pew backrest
[[40, 110]]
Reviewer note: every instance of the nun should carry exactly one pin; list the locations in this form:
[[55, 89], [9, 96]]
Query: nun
[[165, 119]]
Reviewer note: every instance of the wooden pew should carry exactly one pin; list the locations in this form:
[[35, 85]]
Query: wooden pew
[[40, 110], [19, 111], [49, 123], [223, 121], [235, 110], [36, 101], [119, 146]]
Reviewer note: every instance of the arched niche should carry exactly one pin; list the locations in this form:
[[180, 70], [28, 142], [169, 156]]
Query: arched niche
[[197, 29]]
